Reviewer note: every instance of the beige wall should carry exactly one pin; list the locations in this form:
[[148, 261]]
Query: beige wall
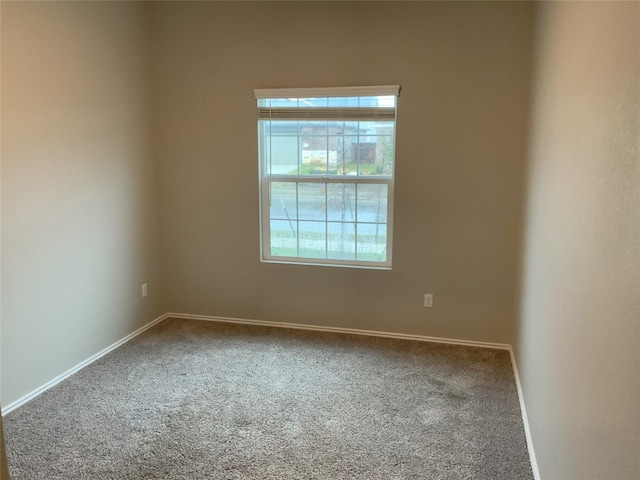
[[4, 469], [578, 340], [79, 196], [464, 71], [112, 130]]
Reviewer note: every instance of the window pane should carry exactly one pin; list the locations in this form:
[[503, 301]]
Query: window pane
[[376, 127], [335, 127], [341, 205], [371, 241], [278, 102], [368, 101], [341, 241], [314, 148], [386, 101], [334, 148], [283, 201], [371, 101], [374, 151], [313, 102], [372, 203], [313, 241], [282, 154], [342, 101], [364, 154], [280, 127], [314, 128], [345, 155], [384, 155], [283, 238], [311, 201], [332, 218]]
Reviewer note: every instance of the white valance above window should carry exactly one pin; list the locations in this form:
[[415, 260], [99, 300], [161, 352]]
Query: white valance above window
[[369, 91]]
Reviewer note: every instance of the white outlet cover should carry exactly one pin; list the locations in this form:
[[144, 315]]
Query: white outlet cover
[[428, 300]]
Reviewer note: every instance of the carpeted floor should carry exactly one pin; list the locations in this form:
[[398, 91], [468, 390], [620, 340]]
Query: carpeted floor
[[198, 400]]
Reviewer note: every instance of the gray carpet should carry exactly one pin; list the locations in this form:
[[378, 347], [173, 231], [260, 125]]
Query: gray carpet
[[199, 400]]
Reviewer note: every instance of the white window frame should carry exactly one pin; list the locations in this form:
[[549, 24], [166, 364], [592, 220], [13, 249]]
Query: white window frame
[[320, 113]]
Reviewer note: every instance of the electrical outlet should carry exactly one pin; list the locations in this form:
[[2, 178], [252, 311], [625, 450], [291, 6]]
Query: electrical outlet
[[428, 300], [144, 290]]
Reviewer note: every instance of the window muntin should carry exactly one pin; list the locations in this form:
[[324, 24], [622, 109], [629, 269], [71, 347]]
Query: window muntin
[[326, 175]]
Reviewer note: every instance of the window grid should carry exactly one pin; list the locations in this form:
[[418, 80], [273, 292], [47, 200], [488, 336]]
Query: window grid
[[321, 238], [359, 224]]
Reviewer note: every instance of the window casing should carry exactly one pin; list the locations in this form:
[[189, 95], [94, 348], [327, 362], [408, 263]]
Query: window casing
[[326, 165]]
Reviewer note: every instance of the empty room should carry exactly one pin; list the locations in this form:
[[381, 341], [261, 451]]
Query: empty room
[[320, 240]]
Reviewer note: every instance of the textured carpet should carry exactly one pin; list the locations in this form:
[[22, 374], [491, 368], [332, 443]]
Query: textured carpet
[[200, 400]]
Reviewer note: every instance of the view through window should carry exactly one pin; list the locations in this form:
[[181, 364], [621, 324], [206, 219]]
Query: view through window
[[326, 174]]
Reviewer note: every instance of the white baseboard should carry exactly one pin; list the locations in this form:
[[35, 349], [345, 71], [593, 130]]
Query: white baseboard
[[525, 419], [352, 331], [81, 365]]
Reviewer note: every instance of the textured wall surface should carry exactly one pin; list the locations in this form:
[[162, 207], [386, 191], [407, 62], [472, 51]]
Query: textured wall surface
[[578, 342]]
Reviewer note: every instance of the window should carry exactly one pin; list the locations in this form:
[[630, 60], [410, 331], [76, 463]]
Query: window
[[326, 174]]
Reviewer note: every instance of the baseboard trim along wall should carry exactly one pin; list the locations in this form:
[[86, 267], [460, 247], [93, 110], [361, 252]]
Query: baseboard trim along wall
[[298, 326], [80, 366], [525, 418], [351, 331]]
